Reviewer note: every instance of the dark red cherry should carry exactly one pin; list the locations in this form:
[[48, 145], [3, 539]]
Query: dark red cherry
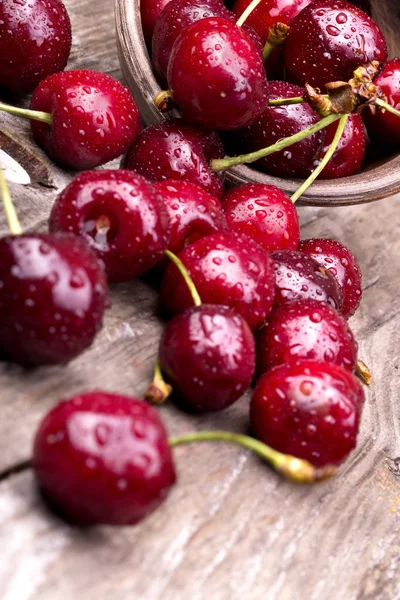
[[384, 127], [149, 13], [35, 41], [308, 409], [278, 122], [350, 151], [227, 268], [216, 75], [177, 150], [95, 118], [298, 277], [193, 212], [102, 458], [208, 354], [52, 298], [338, 260], [305, 329], [175, 18], [328, 40], [120, 215], [264, 213]]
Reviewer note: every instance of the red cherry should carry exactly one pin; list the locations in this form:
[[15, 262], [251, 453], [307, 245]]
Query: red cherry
[[208, 354], [264, 213], [278, 122], [95, 118], [120, 215], [149, 13], [103, 458], [216, 75], [338, 260], [176, 150], [308, 409], [350, 151], [384, 127], [52, 298], [298, 277], [305, 329], [228, 269], [328, 40], [35, 41], [192, 211]]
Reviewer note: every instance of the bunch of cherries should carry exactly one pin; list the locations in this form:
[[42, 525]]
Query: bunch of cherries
[[251, 304]]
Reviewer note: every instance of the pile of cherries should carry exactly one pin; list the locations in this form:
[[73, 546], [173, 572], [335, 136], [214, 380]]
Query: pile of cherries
[[249, 303]]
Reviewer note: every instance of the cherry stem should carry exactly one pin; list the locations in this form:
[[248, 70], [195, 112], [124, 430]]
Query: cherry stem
[[12, 219], [247, 12], [188, 280], [363, 372], [36, 115], [288, 101], [159, 390], [293, 468], [267, 50], [306, 184], [164, 101], [222, 164], [385, 106]]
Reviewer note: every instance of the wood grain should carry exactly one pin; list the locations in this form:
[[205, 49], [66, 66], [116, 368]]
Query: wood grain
[[231, 529]]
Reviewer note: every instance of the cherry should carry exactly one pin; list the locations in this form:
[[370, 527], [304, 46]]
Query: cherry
[[338, 260], [350, 151], [192, 211], [278, 122], [384, 127], [149, 13], [216, 75], [264, 213], [226, 268], [305, 329], [328, 40], [94, 118], [35, 41], [52, 298], [298, 277], [174, 19], [102, 458], [177, 150], [120, 215], [309, 409], [208, 354]]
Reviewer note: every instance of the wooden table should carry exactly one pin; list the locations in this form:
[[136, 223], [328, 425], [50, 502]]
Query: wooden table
[[232, 529]]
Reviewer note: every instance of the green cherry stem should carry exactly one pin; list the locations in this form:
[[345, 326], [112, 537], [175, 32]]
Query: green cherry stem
[[222, 164], [288, 101], [293, 468], [188, 280], [385, 106], [247, 12], [36, 115], [363, 372], [306, 184], [12, 219]]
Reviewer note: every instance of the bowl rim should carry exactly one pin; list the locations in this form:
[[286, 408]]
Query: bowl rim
[[373, 184]]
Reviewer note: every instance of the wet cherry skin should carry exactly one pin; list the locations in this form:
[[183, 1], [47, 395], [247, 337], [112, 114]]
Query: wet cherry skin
[[298, 276], [338, 260], [384, 127], [177, 150], [120, 216], [216, 75], [309, 409], [228, 269], [305, 329], [350, 151], [278, 122], [102, 458], [95, 118], [52, 298], [208, 354], [35, 41], [328, 40], [149, 12], [264, 213], [193, 213]]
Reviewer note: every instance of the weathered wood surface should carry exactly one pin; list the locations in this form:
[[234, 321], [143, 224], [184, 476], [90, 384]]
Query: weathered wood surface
[[231, 529]]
